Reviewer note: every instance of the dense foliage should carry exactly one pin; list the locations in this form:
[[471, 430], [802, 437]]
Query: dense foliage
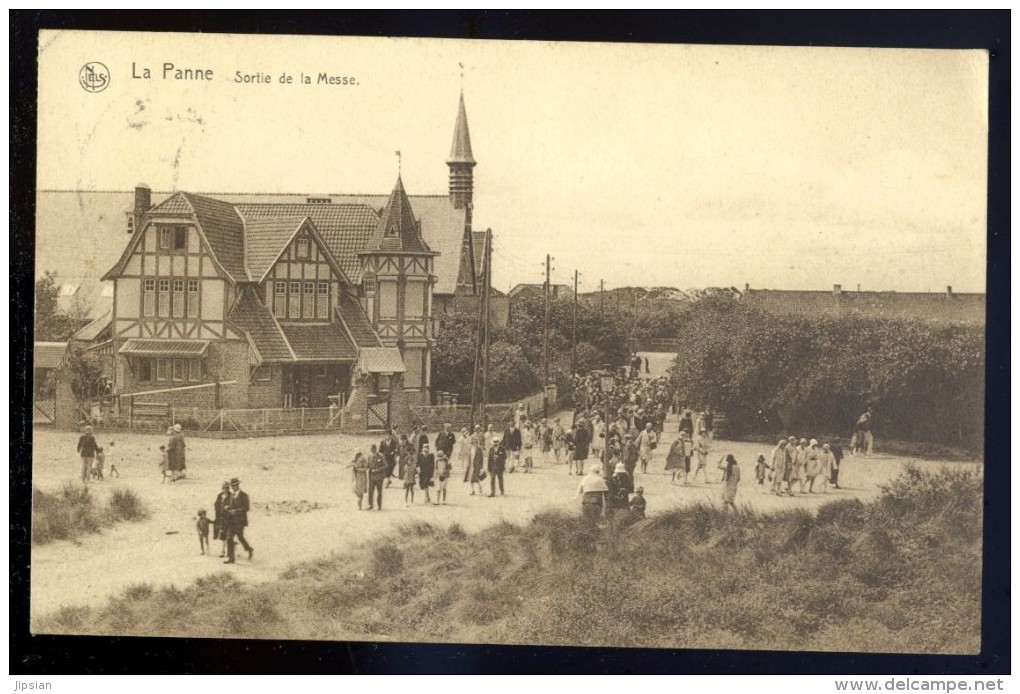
[[771, 374], [50, 324], [515, 352]]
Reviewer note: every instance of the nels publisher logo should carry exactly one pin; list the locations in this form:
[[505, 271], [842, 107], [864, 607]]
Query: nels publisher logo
[[94, 77]]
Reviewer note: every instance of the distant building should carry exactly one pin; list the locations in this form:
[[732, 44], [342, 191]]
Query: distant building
[[537, 290], [947, 306]]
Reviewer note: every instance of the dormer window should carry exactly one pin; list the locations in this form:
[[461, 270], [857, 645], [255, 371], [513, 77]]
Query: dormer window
[[391, 232], [173, 238], [304, 248], [368, 285]]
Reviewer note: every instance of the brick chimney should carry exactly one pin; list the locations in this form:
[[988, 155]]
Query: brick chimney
[[949, 292], [747, 287], [143, 201], [837, 289]]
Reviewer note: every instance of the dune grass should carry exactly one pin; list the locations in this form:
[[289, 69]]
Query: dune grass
[[901, 574], [74, 511]]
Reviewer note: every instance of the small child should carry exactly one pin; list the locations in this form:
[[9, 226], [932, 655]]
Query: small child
[[97, 465], [164, 464], [443, 470], [202, 526], [114, 472], [410, 475], [760, 470], [637, 502]]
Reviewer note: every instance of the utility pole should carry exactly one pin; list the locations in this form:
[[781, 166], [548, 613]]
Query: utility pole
[[573, 333], [545, 338], [476, 378], [602, 294], [488, 318]]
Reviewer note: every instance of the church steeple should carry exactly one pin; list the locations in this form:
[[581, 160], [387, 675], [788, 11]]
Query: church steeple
[[461, 161]]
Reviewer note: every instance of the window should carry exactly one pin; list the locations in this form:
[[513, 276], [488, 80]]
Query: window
[[303, 248], [392, 231], [387, 299], [263, 373], [192, 298], [414, 299], [294, 300], [162, 367], [368, 284], [149, 297], [180, 238], [165, 237], [179, 368], [322, 301], [145, 370], [194, 370], [130, 223], [280, 299], [178, 299], [308, 304], [164, 298]]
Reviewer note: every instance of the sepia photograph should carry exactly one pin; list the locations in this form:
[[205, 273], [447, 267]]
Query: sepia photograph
[[536, 343]]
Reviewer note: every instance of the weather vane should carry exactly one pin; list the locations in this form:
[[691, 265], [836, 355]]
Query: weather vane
[[397, 152]]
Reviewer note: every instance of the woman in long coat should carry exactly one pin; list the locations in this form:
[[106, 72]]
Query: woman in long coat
[[780, 473], [220, 517], [175, 454], [426, 471], [731, 478], [359, 476], [474, 473], [675, 458]]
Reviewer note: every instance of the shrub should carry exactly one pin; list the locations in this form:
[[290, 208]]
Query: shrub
[[387, 560], [138, 591], [124, 504], [456, 532]]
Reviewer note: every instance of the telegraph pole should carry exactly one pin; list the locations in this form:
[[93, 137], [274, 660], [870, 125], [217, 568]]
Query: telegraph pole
[[602, 296], [573, 333], [488, 317], [545, 338], [476, 378]]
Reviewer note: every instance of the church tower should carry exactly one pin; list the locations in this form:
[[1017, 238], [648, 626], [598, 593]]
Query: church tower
[[461, 162]]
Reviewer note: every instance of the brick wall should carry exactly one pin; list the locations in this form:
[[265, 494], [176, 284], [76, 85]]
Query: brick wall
[[225, 361], [267, 394]]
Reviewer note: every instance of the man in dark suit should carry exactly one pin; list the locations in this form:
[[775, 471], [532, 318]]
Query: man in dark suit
[[582, 440], [237, 520], [445, 441], [389, 448], [497, 464], [376, 475], [422, 434], [512, 442]]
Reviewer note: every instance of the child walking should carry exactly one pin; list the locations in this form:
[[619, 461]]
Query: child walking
[[760, 469], [409, 477], [164, 464], [202, 526], [443, 470]]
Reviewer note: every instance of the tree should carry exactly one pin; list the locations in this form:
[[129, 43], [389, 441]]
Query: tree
[[50, 324], [86, 373]]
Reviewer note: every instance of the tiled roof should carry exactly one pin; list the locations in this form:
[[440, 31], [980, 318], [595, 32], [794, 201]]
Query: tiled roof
[[255, 319], [224, 231], [397, 229], [357, 322], [80, 234], [381, 360], [460, 150], [137, 347], [49, 355], [319, 342], [345, 228], [265, 238], [94, 329]]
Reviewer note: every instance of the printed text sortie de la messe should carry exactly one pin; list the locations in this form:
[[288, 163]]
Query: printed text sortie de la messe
[[171, 71]]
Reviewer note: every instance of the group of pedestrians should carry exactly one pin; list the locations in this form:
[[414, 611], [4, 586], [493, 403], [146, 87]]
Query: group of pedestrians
[[798, 466], [230, 518]]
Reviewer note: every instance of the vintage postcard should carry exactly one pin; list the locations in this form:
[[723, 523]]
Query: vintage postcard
[[546, 343]]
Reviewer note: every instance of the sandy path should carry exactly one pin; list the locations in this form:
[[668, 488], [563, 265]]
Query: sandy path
[[303, 508]]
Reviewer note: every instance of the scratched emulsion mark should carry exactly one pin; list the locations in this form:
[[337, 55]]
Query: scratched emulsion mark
[[138, 119]]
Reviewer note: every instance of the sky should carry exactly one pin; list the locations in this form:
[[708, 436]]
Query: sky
[[640, 165]]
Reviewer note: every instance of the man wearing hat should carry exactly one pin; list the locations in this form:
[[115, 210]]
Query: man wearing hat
[[87, 447], [220, 517], [445, 440], [496, 465], [237, 520]]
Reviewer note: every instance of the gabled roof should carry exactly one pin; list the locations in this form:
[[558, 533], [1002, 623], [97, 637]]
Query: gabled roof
[[265, 333], [460, 150], [357, 323], [345, 228], [265, 239], [49, 355], [397, 230], [223, 230], [381, 360]]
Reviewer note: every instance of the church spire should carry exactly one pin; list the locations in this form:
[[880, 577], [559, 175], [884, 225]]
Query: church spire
[[397, 229], [461, 161]]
